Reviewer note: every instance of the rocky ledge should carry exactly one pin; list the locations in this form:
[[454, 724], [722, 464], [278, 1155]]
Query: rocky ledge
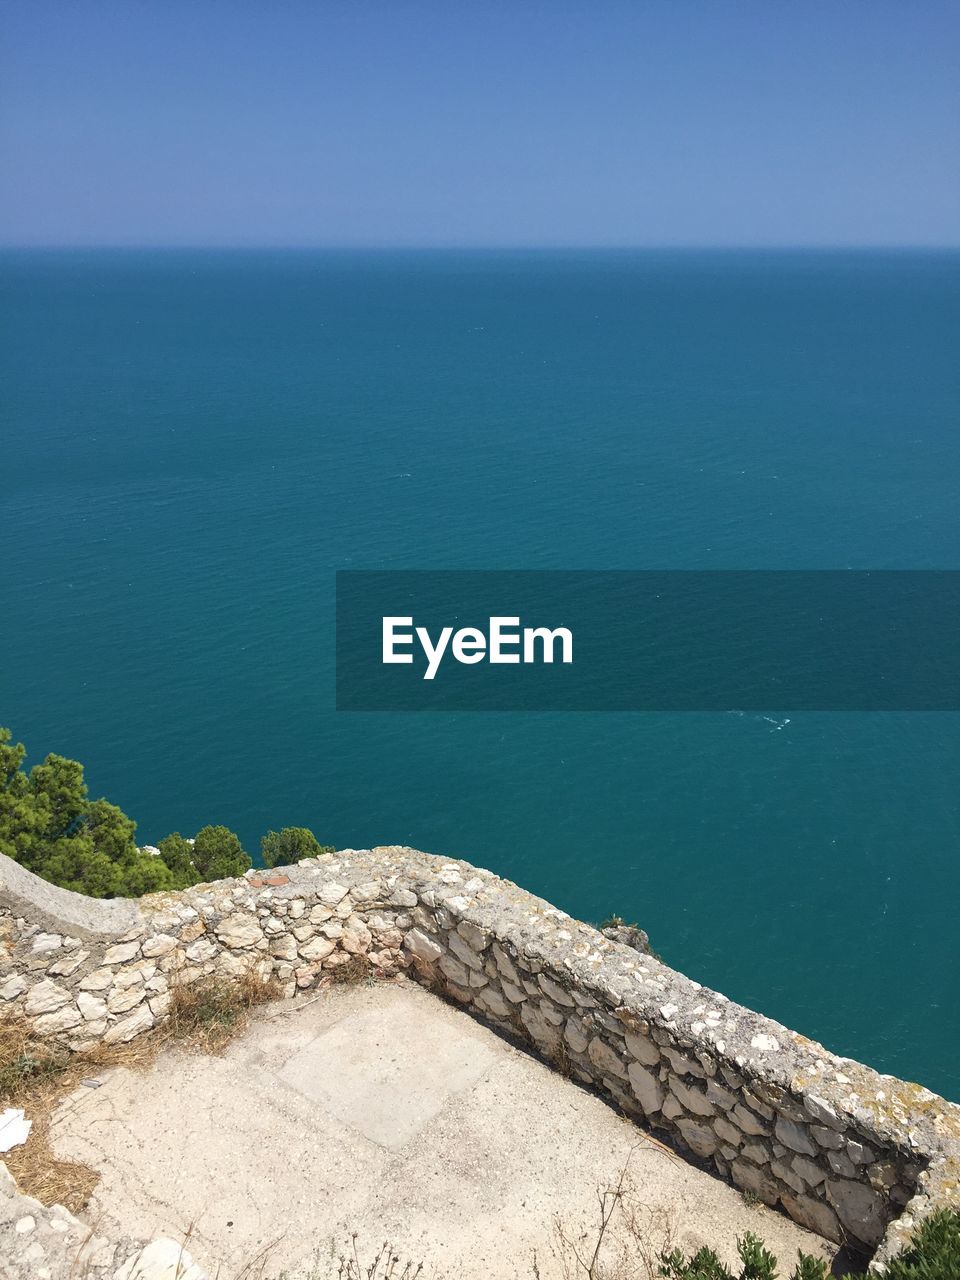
[[851, 1154]]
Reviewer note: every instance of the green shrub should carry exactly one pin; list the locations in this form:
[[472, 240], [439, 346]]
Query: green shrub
[[286, 847], [758, 1264], [49, 824], [934, 1251], [932, 1254], [177, 854], [218, 854]]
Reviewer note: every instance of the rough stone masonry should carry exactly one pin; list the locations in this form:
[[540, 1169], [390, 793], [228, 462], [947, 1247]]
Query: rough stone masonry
[[848, 1153]]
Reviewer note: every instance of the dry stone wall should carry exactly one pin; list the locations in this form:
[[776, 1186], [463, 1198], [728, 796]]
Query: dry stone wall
[[847, 1152]]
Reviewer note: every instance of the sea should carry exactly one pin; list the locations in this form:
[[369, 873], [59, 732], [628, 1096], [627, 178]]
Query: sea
[[192, 443]]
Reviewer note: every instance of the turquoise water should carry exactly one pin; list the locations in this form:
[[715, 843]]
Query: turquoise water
[[193, 443]]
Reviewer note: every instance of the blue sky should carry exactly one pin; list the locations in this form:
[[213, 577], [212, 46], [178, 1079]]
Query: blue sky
[[476, 122]]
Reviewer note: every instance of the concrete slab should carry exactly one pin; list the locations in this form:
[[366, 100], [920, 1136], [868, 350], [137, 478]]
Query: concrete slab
[[382, 1111], [375, 1073]]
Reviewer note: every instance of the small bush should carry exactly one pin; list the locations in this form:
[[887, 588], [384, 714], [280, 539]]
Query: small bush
[[218, 854], [177, 854], [631, 935], [932, 1254], [286, 847], [49, 824]]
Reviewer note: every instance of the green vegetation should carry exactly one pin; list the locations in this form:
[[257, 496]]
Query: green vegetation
[[49, 824], [286, 847], [215, 854], [218, 853], [932, 1254], [177, 852]]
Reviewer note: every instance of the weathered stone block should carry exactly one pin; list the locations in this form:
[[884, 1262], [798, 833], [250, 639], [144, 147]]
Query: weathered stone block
[[750, 1177], [316, 950], [120, 1001], [829, 1139], [121, 953], [813, 1214], [67, 965], [811, 1173], [476, 938], [159, 945], [646, 1086], [239, 930], [464, 952], [52, 1024], [605, 1059], [559, 995], [784, 1173], [425, 948], [748, 1122], [505, 965], [332, 894], [698, 1137], [13, 987], [795, 1137], [45, 997], [492, 1002], [642, 1048], [140, 1020], [455, 970], [728, 1133], [691, 1098], [92, 1009], [859, 1209]]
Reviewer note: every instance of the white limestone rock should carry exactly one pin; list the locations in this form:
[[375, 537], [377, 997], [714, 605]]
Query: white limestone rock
[[159, 945], [317, 950], [140, 1020], [45, 997], [332, 894], [161, 1259], [239, 930], [121, 953], [90, 1007], [121, 1001], [99, 980], [14, 986]]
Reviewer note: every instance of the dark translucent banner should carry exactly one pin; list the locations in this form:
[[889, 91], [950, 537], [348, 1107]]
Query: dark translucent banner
[[746, 640]]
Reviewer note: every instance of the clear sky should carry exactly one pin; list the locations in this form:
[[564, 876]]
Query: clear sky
[[480, 122]]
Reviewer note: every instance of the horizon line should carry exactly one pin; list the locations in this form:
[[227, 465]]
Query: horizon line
[[440, 247]]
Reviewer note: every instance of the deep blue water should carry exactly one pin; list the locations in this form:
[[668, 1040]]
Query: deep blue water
[[192, 443]]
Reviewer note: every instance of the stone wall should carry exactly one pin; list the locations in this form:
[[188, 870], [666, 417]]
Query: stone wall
[[849, 1153], [46, 1242]]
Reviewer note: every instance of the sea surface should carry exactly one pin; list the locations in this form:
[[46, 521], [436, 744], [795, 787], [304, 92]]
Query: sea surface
[[193, 442]]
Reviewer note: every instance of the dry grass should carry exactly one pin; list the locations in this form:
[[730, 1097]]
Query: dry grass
[[207, 1015], [352, 972], [36, 1074], [385, 1264], [625, 1241]]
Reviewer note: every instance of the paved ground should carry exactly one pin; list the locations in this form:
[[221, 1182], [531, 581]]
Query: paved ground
[[382, 1111]]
